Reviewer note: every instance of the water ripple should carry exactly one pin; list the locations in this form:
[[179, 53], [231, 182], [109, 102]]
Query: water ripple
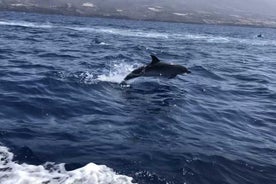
[[60, 101]]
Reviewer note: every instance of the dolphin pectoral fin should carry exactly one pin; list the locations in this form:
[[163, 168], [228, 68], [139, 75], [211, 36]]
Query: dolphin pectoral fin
[[172, 76]]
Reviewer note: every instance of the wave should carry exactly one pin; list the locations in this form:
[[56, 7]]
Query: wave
[[122, 32], [151, 34], [12, 172], [177, 36], [256, 42], [222, 39], [209, 38], [26, 24], [57, 55]]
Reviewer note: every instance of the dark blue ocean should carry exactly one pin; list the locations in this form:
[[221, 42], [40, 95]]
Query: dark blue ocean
[[64, 118]]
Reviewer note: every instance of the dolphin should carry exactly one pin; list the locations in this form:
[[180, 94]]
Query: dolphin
[[260, 35], [156, 68]]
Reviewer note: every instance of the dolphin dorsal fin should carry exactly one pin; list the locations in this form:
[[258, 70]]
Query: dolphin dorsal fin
[[154, 60]]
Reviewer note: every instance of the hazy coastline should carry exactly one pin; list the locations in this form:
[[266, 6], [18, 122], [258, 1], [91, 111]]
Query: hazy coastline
[[144, 10]]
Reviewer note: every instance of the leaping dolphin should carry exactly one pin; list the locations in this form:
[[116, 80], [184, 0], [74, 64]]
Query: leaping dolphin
[[157, 68]]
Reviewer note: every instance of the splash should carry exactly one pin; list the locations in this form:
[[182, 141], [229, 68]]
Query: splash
[[117, 73], [114, 73], [12, 172]]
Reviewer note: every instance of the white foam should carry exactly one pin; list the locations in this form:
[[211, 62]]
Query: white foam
[[103, 43], [87, 4], [181, 14], [50, 173], [257, 42], [207, 38], [122, 32], [154, 9], [117, 73], [26, 24], [87, 78], [224, 39]]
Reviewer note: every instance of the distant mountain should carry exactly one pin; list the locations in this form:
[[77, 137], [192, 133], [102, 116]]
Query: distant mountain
[[234, 12]]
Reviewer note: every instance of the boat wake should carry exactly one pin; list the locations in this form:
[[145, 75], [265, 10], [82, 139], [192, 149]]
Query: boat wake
[[51, 173]]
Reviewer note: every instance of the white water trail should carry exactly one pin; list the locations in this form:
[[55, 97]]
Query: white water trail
[[50, 173], [26, 24]]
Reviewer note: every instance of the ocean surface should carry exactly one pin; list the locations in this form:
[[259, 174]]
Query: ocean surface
[[65, 119]]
